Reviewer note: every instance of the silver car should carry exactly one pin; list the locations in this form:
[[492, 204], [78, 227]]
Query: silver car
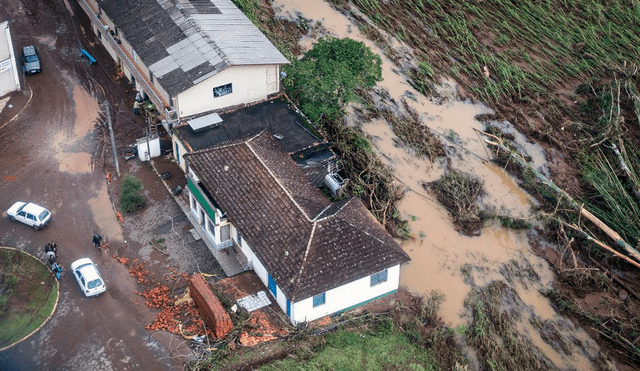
[[88, 277], [29, 214]]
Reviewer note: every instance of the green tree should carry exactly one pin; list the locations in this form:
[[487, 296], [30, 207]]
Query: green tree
[[327, 78], [130, 197]]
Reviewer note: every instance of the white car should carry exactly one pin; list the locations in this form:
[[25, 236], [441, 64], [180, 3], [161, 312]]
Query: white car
[[29, 214], [88, 277]]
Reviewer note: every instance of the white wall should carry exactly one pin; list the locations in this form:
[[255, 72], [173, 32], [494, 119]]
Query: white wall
[[182, 152], [9, 79], [346, 296], [249, 84]]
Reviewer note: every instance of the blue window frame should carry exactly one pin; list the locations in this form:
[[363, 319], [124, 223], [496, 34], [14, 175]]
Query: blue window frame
[[288, 308], [273, 287], [379, 277], [319, 299]]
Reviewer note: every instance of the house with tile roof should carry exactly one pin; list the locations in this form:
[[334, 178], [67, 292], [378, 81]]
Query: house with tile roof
[[187, 56], [315, 256]]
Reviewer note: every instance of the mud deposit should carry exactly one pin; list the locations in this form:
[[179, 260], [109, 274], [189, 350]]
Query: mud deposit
[[462, 268]]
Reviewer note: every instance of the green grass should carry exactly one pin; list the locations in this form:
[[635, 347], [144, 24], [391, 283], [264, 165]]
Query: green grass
[[26, 302], [346, 350]]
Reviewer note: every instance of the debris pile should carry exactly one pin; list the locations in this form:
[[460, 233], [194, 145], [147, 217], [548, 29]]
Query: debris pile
[[177, 316], [157, 297], [262, 331], [137, 271]]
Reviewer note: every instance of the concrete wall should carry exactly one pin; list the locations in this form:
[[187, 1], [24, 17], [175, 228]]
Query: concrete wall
[[346, 296], [214, 314], [181, 151], [9, 66], [249, 84]]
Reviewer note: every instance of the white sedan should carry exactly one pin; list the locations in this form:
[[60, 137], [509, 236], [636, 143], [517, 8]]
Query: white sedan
[[88, 277], [29, 214]]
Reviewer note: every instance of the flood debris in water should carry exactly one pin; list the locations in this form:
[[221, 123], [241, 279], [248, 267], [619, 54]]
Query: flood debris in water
[[460, 193]]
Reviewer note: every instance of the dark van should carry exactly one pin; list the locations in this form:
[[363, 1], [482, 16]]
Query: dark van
[[30, 60]]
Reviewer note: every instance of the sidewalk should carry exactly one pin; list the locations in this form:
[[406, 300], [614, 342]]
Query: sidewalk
[[227, 258]]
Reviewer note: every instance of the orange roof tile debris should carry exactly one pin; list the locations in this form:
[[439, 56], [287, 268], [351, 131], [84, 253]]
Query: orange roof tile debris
[[263, 330]]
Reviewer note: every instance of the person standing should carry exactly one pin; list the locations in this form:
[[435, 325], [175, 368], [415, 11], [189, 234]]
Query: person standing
[[136, 107]]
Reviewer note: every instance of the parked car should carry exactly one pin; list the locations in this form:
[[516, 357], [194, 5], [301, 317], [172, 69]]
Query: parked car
[[30, 60], [29, 214], [88, 277]]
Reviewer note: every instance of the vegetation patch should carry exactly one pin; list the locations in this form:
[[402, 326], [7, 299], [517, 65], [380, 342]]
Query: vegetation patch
[[329, 75], [404, 333], [493, 332], [460, 193], [130, 197], [28, 294], [622, 333]]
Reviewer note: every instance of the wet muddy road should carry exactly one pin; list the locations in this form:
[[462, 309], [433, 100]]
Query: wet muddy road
[[47, 155]]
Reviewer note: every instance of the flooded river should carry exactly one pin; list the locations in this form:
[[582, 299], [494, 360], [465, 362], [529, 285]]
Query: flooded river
[[443, 260]]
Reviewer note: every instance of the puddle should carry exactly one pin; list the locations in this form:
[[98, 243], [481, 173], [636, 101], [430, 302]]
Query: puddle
[[87, 111], [74, 163], [443, 259], [105, 217]]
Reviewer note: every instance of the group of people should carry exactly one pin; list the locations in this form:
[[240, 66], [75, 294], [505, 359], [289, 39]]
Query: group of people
[[51, 250]]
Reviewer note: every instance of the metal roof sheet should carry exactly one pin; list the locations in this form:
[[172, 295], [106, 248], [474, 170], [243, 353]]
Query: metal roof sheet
[[184, 42]]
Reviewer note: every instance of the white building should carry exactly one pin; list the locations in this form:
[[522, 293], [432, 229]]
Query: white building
[[9, 77], [316, 257], [187, 56]]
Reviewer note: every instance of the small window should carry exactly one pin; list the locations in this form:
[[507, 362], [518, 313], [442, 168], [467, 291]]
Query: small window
[[219, 91], [379, 277], [319, 299]]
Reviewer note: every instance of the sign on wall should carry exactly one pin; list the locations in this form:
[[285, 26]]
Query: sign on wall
[[5, 65]]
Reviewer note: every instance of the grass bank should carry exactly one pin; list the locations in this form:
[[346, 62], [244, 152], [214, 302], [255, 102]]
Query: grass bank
[[28, 294]]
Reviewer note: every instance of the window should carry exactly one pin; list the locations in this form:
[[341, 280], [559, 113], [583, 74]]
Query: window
[[222, 90], [379, 277], [319, 299]]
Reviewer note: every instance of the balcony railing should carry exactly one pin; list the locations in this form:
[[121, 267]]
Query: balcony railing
[[140, 78]]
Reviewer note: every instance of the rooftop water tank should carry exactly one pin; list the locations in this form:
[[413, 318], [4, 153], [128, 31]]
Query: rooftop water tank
[[334, 182]]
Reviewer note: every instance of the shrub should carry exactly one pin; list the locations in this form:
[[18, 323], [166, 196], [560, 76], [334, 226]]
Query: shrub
[[130, 197]]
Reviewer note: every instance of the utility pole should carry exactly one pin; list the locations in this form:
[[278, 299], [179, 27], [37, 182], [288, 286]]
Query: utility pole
[[105, 105]]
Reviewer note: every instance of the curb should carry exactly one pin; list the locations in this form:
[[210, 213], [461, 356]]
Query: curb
[[23, 108], [55, 305]]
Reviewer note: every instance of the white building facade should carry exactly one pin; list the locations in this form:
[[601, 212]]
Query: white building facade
[[9, 68]]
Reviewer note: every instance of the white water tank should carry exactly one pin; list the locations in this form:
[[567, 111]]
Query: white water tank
[[334, 182]]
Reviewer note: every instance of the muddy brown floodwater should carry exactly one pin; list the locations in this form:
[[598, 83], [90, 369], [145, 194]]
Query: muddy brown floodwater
[[442, 259]]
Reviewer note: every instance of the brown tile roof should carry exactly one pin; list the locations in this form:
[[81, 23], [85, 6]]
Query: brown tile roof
[[308, 244]]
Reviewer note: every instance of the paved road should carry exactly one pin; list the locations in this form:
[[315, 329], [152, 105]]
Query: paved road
[[51, 153]]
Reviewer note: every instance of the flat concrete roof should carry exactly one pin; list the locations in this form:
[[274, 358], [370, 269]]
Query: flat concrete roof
[[274, 116]]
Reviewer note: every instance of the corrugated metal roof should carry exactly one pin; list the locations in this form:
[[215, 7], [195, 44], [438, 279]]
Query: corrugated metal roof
[[186, 41]]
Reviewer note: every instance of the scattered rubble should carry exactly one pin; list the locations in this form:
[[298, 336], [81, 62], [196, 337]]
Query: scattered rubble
[[213, 312], [262, 331]]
